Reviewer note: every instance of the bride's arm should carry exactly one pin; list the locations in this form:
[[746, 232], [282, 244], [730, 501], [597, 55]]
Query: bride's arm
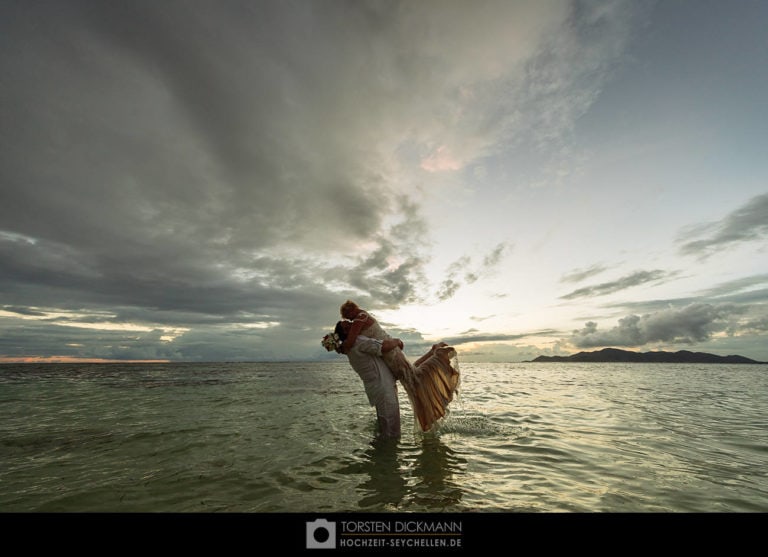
[[391, 344], [360, 323]]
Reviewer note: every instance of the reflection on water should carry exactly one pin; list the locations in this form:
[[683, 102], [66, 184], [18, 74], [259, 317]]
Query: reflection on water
[[385, 485], [437, 467], [422, 475]]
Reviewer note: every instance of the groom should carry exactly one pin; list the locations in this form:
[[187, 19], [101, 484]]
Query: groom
[[379, 383]]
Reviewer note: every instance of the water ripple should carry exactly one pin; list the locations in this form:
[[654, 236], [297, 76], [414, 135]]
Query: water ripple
[[300, 437]]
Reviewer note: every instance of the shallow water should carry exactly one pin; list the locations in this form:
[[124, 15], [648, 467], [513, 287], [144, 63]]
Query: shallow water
[[298, 437]]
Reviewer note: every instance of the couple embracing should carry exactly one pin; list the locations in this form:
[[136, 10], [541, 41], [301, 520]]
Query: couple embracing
[[430, 382]]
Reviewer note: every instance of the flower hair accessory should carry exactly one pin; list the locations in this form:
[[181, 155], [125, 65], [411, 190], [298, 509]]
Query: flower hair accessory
[[331, 341]]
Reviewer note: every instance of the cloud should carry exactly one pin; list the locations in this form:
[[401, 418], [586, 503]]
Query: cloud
[[748, 223], [205, 166], [738, 287], [628, 281], [759, 325], [462, 271], [440, 161], [391, 273], [481, 318], [747, 292], [737, 308], [693, 323], [493, 258], [578, 275], [473, 337], [24, 311], [30, 338]]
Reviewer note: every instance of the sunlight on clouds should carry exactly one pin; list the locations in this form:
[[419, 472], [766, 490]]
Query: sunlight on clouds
[[169, 333], [441, 160], [71, 360], [262, 325], [393, 262], [16, 237], [432, 321], [70, 319], [250, 275]]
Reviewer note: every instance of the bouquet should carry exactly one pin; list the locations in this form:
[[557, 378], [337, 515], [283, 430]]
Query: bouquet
[[331, 341]]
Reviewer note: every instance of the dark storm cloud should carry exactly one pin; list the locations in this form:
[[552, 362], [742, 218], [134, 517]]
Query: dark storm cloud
[[629, 281], [747, 224], [159, 148], [174, 127], [206, 165], [693, 323], [40, 276]]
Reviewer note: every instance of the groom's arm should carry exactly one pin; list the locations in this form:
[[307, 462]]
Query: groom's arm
[[369, 346], [378, 347]]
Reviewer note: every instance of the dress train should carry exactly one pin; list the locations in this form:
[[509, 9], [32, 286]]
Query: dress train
[[431, 384]]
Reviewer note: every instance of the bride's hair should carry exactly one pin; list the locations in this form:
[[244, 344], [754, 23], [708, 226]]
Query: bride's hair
[[347, 308]]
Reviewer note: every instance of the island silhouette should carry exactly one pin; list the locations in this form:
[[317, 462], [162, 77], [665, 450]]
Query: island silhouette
[[680, 357]]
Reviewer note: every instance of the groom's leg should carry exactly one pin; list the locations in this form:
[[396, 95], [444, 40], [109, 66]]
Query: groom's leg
[[389, 426], [388, 414], [388, 407]]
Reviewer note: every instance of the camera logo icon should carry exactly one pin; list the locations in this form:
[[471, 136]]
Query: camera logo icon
[[321, 534]]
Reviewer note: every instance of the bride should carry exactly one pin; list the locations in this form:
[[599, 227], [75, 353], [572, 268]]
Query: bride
[[431, 382]]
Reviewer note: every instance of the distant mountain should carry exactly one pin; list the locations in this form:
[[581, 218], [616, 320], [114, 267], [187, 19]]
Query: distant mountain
[[616, 355]]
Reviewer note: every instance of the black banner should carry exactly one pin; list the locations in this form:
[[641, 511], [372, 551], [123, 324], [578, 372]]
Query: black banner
[[395, 533]]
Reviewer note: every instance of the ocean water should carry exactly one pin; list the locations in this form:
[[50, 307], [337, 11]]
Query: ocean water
[[299, 437]]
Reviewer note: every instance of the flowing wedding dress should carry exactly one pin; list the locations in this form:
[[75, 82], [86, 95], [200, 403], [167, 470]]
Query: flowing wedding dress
[[430, 385]]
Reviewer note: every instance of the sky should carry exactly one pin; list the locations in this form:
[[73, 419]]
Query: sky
[[210, 181]]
